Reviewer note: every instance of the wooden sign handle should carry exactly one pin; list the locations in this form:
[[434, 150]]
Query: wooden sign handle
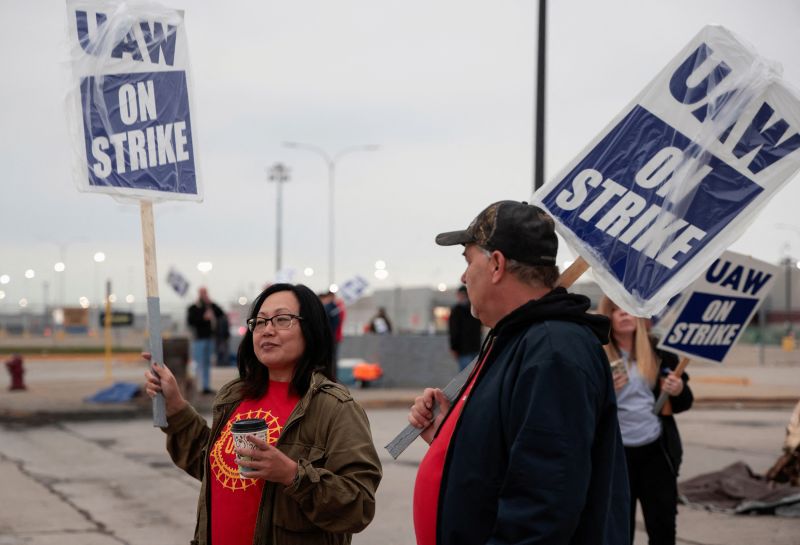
[[153, 306], [572, 273], [664, 395]]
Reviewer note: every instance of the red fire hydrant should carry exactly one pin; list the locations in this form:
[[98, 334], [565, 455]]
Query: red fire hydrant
[[17, 371]]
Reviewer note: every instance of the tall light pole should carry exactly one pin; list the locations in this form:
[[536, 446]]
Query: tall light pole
[[280, 175], [790, 264], [331, 161]]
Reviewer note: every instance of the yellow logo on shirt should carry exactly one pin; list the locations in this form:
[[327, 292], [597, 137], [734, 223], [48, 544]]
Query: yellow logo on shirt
[[223, 466]]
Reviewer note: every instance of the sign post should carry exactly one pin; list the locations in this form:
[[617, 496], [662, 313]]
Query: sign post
[[131, 122]]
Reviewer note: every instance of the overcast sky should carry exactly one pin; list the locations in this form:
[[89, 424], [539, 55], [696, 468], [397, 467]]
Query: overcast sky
[[445, 88]]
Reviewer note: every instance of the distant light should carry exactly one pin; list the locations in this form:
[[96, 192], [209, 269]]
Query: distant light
[[333, 288], [2, 295], [84, 302], [23, 302], [58, 316], [130, 299], [381, 274], [205, 266], [308, 271], [59, 267], [99, 257], [112, 298], [442, 286], [243, 300], [5, 279], [380, 264], [30, 273]]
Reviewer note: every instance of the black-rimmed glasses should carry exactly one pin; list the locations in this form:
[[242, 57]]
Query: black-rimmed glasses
[[279, 321]]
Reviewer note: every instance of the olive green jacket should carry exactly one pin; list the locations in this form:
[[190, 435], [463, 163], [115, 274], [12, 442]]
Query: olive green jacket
[[328, 436]]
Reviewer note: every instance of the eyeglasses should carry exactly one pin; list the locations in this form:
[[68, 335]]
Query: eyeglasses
[[279, 321]]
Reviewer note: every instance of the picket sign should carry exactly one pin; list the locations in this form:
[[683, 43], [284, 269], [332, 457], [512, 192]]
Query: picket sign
[[677, 176], [714, 311], [129, 117]]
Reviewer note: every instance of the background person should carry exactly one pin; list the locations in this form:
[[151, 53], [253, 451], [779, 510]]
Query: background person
[[314, 479], [652, 443], [464, 330], [334, 321], [380, 323], [202, 317], [530, 452], [221, 341]]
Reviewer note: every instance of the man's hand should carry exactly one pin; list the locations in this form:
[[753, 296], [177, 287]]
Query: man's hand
[[421, 414]]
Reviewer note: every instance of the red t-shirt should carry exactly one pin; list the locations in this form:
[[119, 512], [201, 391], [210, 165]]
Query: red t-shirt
[[429, 474], [234, 501]]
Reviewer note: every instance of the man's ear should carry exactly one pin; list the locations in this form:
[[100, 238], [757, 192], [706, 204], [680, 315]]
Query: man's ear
[[498, 263]]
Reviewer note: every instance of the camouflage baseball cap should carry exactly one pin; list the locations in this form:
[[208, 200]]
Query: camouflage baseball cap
[[519, 230]]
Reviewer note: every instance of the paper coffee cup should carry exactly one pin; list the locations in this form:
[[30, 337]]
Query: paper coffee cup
[[241, 429], [618, 367]]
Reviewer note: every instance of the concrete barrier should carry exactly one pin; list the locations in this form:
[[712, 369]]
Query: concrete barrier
[[408, 360]]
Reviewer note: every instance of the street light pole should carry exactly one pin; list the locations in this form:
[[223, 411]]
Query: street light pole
[[790, 265], [278, 174], [331, 161]]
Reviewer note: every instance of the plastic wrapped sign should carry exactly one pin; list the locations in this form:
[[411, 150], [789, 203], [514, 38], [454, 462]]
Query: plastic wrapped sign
[[352, 290], [678, 175], [713, 314], [130, 101]]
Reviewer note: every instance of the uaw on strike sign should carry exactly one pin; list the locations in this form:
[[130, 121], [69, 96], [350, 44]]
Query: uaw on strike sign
[[130, 106], [714, 312], [676, 177]]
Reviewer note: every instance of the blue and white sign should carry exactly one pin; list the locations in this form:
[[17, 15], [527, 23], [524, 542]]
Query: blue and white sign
[[353, 289], [131, 101], [178, 282], [713, 314], [674, 179]]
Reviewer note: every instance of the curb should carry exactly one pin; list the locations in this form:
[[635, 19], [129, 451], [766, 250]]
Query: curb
[[92, 412]]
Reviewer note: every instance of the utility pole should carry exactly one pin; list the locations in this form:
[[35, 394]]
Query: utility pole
[[278, 174]]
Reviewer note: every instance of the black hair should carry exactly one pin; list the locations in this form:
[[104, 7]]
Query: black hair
[[318, 353]]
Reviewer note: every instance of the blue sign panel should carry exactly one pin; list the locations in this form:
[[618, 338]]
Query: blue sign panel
[[613, 201], [138, 131], [709, 325]]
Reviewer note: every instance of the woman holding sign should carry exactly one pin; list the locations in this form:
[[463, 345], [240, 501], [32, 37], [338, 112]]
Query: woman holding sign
[[310, 474], [652, 443]]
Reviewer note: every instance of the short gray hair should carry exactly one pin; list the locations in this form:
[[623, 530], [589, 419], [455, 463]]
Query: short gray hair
[[535, 275]]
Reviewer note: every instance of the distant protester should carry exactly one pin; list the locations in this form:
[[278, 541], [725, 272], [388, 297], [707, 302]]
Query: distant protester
[[380, 323], [202, 317], [313, 478], [464, 330]]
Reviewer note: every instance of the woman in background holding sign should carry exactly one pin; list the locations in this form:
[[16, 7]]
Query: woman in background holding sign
[[652, 443], [313, 477]]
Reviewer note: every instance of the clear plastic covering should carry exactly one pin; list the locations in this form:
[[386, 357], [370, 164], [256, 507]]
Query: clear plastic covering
[[678, 175], [130, 101]]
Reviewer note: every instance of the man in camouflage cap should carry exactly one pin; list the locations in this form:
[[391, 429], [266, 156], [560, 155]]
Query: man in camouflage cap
[[529, 451]]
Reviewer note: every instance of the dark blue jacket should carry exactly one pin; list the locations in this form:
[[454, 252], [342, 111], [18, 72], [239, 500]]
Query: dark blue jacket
[[536, 456]]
